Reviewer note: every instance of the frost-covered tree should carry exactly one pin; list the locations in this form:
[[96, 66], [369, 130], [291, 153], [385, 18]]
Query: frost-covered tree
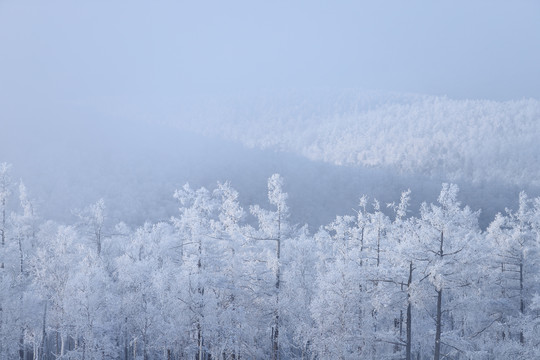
[[23, 225], [194, 227], [93, 219], [448, 234], [5, 191], [514, 242], [91, 308], [273, 227], [52, 267], [299, 260], [141, 306], [341, 306], [352, 286], [377, 225], [402, 251], [233, 331], [210, 285]]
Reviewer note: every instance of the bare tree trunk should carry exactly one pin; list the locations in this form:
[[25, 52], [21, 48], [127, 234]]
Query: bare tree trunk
[[126, 344], [84, 349], [199, 342], [200, 290], [63, 344], [21, 255], [21, 345], [439, 310], [21, 305], [378, 246], [145, 330], [1, 327], [44, 334], [409, 315], [3, 234], [438, 326], [275, 330], [521, 302], [3, 229]]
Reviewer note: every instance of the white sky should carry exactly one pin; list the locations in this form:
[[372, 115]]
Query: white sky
[[72, 52]]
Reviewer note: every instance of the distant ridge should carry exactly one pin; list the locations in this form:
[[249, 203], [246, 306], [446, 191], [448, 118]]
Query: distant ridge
[[469, 140]]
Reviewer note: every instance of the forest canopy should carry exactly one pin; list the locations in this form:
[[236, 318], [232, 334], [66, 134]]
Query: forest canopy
[[220, 281]]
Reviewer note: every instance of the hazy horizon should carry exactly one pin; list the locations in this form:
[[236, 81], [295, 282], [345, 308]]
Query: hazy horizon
[[82, 83]]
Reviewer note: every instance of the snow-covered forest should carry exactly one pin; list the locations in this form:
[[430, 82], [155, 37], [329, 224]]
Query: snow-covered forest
[[217, 281], [269, 180], [473, 140]]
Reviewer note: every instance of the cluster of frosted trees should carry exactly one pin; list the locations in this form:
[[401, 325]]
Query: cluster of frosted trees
[[217, 282], [476, 140]]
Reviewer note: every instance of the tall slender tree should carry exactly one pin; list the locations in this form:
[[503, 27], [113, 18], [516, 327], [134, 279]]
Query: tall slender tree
[[198, 209], [24, 232], [274, 227], [5, 191], [514, 242], [448, 230]]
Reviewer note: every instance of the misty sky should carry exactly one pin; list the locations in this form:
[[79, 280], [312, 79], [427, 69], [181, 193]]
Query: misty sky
[[74, 75], [56, 54]]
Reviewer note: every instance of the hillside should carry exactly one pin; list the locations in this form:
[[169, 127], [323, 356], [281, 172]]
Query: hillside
[[461, 140], [330, 148]]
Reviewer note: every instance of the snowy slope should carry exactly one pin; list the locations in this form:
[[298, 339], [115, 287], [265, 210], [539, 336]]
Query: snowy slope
[[469, 140], [389, 142]]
